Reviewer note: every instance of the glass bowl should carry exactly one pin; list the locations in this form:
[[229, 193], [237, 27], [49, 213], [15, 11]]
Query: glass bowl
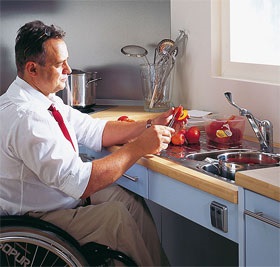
[[224, 129]]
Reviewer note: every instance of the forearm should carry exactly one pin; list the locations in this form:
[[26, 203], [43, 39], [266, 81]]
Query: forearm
[[143, 141], [107, 170], [123, 132]]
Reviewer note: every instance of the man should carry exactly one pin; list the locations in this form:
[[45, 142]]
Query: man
[[41, 172]]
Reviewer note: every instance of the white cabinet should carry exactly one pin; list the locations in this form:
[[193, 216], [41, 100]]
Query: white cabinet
[[262, 232]]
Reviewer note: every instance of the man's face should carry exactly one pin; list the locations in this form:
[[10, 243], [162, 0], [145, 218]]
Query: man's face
[[52, 77]]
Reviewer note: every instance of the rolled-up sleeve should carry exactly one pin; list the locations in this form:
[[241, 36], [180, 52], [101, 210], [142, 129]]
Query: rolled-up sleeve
[[75, 182], [88, 130]]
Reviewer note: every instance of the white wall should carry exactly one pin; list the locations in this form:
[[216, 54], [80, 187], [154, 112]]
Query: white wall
[[96, 30], [194, 85]]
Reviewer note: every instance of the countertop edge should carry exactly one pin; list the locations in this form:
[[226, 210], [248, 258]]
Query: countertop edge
[[250, 181], [188, 176]]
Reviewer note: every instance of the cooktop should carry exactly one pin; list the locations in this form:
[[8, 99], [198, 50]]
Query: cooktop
[[94, 108]]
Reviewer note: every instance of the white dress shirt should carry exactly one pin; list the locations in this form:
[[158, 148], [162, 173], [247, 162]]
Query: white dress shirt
[[39, 169]]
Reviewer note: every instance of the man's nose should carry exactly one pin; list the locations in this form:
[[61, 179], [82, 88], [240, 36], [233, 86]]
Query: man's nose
[[67, 69]]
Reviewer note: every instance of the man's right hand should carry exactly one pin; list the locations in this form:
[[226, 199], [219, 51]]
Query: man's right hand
[[154, 139]]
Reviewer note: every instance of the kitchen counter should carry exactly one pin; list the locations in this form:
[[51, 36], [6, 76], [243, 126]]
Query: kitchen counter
[[265, 181]]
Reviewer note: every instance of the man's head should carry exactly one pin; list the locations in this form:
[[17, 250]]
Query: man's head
[[30, 42], [41, 56]]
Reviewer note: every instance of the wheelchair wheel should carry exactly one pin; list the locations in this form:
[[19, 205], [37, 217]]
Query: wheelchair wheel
[[26, 241]]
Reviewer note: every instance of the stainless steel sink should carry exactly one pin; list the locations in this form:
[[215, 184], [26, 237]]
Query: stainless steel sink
[[195, 156], [200, 156], [228, 164], [212, 168]]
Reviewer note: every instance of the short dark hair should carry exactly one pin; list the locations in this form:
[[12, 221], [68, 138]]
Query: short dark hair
[[30, 42]]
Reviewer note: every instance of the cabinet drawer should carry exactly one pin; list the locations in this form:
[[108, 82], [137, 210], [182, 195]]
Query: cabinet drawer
[[136, 180], [257, 203]]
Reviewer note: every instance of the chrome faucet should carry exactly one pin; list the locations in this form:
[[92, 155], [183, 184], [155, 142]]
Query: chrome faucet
[[263, 129]]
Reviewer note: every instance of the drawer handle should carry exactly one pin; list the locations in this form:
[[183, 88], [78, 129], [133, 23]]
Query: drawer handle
[[261, 217], [134, 179]]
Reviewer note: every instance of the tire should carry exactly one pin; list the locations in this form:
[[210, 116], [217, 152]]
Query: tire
[[27, 241]]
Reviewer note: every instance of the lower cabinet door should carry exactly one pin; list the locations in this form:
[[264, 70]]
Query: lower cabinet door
[[262, 230], [262, 243]]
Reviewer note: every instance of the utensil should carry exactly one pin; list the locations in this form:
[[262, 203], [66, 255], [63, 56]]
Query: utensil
[[165, 76], [172, 50], [173, 118], [163, 48], [166, 67], [135, 51], [168, 51], [157, 85]]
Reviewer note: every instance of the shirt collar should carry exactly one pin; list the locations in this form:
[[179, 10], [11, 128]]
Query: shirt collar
[[34, 94]]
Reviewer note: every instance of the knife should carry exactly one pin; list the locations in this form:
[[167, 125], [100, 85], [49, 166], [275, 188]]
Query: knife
[[173, 119]]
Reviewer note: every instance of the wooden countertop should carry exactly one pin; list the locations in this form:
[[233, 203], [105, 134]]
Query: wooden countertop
[[192, 177], [133, 112]]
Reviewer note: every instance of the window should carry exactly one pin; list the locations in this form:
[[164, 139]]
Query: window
[[249, 39]]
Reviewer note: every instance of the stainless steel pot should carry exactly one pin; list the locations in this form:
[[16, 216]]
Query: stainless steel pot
[[83, 88], [230, 163]]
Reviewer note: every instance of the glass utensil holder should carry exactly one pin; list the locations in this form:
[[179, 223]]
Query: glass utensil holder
[[156, 86]]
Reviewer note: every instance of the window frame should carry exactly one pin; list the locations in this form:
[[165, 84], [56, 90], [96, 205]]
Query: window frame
[[234, 70]]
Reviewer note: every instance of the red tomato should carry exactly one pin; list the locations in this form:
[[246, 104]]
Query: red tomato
[[211, 130], [178, 139], [122, 118], [184, 131], [193, 135], [236, 136], [125, 118]]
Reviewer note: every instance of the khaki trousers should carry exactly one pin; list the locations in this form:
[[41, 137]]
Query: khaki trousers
[[116, 218]]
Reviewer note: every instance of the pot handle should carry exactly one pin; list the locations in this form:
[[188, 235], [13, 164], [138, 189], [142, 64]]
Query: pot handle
[[94, 80]]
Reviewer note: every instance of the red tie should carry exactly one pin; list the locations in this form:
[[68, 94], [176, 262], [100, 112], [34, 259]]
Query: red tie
[[59, 119]]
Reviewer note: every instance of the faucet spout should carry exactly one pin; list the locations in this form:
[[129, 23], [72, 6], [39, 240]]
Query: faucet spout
[[263, 129]]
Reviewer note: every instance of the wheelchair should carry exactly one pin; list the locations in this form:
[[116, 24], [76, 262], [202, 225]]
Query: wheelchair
[[28, 241]]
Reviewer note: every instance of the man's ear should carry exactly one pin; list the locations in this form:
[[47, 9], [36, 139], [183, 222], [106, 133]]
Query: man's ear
[[31, 68]]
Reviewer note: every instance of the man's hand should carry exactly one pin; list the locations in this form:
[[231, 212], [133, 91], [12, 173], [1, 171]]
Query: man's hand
[[107, 170], [154, 139], [164, 118]]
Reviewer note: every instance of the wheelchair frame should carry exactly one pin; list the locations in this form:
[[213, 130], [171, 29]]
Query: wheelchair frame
[[28, 241]]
